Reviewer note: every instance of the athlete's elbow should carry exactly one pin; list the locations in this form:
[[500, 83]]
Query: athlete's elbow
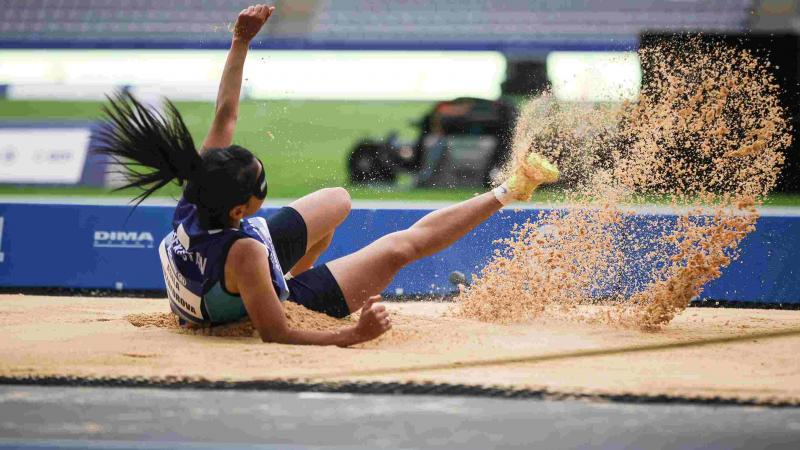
[[266, 338], [226, 112], [273, 336], [225, 119]]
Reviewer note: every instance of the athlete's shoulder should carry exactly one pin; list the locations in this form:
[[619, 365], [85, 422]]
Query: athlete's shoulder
[[246, 250]]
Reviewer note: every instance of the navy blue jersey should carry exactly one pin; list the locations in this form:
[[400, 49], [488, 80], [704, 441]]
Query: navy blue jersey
[[193, 262]]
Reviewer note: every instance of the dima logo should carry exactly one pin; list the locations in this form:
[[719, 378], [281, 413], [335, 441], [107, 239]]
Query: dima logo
[[123, 239]]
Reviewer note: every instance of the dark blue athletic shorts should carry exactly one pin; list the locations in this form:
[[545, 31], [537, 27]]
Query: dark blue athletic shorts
[[316, 289]]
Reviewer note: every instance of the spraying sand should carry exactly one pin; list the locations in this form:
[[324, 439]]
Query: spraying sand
[[705, 137]]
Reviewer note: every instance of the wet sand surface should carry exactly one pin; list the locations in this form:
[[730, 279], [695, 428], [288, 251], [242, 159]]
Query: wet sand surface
[[703, 353]]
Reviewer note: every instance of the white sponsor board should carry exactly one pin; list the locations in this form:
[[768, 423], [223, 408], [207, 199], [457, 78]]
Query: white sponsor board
[[49, 91], [268, 74], [43, 155], [594, 76]]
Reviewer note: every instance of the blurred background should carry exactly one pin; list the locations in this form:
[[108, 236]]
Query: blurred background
[[396, 99]]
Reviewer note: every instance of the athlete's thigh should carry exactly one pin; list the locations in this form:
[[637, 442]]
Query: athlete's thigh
[[368, 271], [289, 236], [322, 212]]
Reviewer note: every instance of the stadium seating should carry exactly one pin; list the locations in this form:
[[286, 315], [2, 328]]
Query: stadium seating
[[520, 20], [411, 23], [77, 21]]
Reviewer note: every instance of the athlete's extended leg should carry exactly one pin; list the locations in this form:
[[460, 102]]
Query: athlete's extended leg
[[322, 211], [368, 271]]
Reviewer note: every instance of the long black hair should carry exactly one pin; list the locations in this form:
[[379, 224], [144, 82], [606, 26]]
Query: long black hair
[[152, 149]]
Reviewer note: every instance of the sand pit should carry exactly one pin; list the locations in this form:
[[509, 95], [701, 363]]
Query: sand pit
[[703, 353]]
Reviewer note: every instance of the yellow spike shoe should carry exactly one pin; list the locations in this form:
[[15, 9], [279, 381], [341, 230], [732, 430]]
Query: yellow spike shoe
[[527, 178]]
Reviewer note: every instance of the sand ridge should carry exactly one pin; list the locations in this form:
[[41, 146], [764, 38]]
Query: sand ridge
[[94, 337]]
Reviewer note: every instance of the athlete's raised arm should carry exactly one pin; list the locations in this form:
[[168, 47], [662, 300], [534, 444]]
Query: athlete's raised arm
[[248, 24], [249, 267]]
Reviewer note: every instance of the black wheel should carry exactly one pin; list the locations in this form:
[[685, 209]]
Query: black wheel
[[370, 163]]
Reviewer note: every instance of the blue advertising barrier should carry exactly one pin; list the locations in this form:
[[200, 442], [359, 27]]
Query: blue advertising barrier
[[107, 247]]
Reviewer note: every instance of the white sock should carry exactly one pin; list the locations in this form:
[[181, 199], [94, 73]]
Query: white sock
[[503, 194]]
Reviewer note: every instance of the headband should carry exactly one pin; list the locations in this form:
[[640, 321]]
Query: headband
[[260, 186]]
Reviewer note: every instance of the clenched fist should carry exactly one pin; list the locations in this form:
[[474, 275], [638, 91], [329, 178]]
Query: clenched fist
[[374, 320], [250, 21]]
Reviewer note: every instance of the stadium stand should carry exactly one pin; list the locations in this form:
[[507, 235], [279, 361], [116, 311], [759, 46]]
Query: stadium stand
[[520, 20], [86, 21], [480, 24]]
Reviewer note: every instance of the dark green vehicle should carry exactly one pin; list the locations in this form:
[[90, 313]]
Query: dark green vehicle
[[462, 142]]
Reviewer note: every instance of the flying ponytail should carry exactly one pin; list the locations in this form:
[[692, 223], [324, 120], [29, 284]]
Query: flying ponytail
[[151, 148]]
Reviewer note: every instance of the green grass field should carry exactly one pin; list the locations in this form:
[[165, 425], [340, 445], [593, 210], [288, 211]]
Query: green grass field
[[303, 143]]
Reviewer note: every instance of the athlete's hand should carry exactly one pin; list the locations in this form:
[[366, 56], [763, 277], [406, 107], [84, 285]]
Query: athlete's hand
[[374, 320], [250, 21]]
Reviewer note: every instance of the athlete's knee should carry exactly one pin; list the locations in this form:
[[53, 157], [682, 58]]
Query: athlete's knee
[[339, 201], [403, 248]]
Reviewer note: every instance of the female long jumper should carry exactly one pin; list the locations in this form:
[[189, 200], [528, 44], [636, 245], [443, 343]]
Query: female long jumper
[[221, 264]]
